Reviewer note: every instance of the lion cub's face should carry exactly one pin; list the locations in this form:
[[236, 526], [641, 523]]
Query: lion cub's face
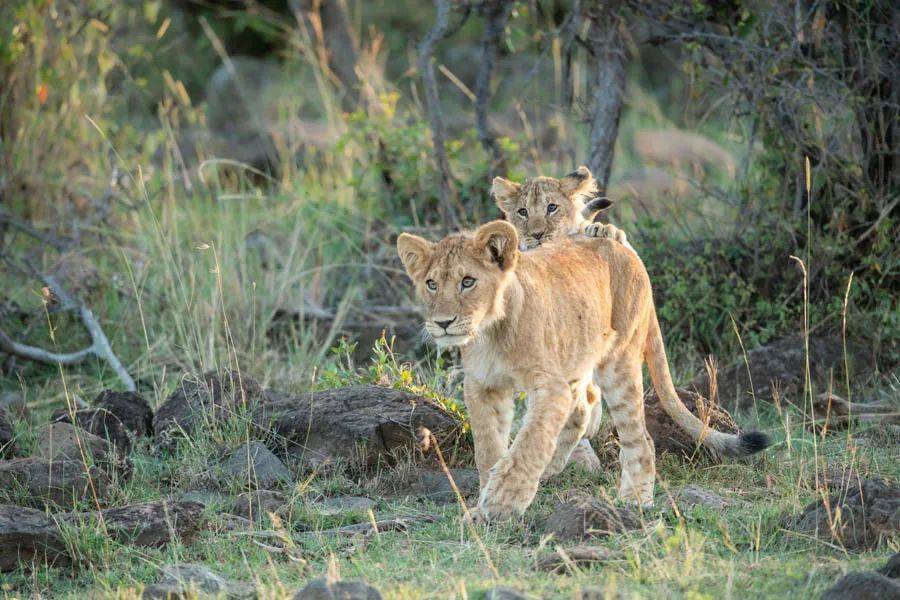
[[544, 208], [461, 279]]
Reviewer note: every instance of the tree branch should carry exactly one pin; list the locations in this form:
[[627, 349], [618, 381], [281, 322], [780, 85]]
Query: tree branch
[[496, 16], [433, 110], [100, 346]]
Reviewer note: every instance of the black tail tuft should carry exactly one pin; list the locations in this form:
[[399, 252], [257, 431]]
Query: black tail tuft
[[752, 442]]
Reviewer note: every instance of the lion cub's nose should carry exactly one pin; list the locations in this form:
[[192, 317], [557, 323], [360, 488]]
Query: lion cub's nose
[[445, 324], [538, 235]]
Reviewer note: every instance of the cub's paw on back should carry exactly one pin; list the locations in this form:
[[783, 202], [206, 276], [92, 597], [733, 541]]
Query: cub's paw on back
[[601, 230]]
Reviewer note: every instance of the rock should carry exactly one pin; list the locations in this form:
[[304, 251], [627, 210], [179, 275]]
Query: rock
[[892, 567], [367, 422], [119, 417], [429, 484], [149, 524], [583, 517], [562, 560], [208, 399], [691, 496], [504, 593], [63, 441], [27, 536], [782, 363], [323, 589], [131, 409], [869, 513], [343, 505], [863, 586], [258, 504], [41, 482], [8, 446], [186, 579], [205, 497], [14, 403], [834, 478], [254, 464], [99, 422], [668, 437]]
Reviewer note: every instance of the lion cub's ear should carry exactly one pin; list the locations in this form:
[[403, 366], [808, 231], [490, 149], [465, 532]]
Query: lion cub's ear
[[500, 242], [504, 192], [579, 184], [414, 252]]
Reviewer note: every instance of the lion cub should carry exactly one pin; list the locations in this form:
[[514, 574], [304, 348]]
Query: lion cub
[[543, 209]]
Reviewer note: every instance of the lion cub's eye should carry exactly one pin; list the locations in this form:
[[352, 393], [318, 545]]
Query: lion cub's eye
[[551, 208], [431, 285], [522, 212], [467, 282]]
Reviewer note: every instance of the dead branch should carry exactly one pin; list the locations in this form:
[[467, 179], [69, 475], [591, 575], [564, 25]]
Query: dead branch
[[496, 16], [608, 49], [100, 346], [433, 110]]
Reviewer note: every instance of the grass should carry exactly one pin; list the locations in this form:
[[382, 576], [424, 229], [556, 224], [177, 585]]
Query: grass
[[190, 266], [741, 551]]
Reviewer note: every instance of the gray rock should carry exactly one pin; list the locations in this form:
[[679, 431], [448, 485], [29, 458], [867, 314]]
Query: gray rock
[[14, 402], [185, 579], [323, 589], [119, 417], [783, 363], [504, 593], [28, 537], [254, 464], [863, 586], [40, 482], [870, 513], [8, 446], [361, 422], [562, 560], [430, 484], [691, 496], [212, 398], [584, 517], [892, 567], [342, 505], [148, 524], [63, 441], [205, 497], [258, 504]]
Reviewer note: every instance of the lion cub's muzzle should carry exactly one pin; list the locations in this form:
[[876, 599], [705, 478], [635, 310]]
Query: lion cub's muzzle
[[448, 331]]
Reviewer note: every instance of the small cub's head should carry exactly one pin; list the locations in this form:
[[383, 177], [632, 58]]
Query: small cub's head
[[461, 279], [545, 208]]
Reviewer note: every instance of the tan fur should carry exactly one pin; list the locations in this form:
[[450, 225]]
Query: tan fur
[[571, 217], [542, 321]]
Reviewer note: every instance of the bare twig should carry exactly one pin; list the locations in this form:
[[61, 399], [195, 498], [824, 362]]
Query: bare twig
[[496, 17], [433, 109], [100, 346]]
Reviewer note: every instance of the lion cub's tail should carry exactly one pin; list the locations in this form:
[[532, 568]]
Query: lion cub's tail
[[722, 444]]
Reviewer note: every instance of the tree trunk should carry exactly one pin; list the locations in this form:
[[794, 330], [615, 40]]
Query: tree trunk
[[608, 50]]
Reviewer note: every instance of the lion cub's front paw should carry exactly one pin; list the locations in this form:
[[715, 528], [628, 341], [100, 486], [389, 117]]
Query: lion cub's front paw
[[601, 230]]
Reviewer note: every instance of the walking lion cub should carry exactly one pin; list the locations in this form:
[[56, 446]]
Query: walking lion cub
[[542, 321]]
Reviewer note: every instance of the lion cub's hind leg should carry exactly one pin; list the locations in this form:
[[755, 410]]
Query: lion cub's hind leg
[[569, 444], [624, 395]]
